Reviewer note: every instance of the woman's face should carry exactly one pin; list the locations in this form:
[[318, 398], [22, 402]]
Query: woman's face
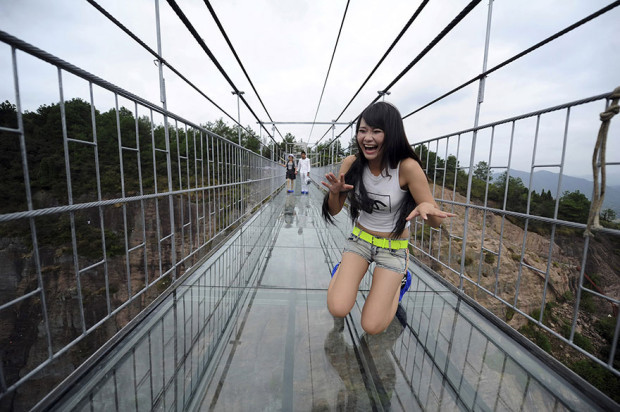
[[370, 140]]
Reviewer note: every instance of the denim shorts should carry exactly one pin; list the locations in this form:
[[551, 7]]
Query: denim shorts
[[396, 260]]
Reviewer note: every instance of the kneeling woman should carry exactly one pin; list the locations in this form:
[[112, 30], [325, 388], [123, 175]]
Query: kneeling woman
[[386, 187]]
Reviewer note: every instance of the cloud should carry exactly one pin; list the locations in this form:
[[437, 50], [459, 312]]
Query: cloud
[[286, 48]]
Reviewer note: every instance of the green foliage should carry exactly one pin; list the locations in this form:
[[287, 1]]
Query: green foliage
[[511, 191], [587, 303], [482, 171], [574, 207], [583, 342], [536, 335], [510, 313], [489, 258], [547, 314], [325, 155], [468, 259], [566, 297], [608, 215], [565, 328], [516, 196], [605, 327], [598, 376], [50, 156]]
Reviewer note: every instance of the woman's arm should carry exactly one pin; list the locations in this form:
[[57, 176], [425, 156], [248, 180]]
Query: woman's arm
[[414, 178], [337, 187]]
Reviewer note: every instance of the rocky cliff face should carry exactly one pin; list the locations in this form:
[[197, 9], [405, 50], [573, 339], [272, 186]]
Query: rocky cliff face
[[23, 332], [513, 265], [519, 279]]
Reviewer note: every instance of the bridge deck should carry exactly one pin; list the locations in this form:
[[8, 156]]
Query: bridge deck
[[282, 350]]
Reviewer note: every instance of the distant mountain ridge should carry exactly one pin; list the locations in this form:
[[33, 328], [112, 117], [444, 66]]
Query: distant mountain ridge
[[545, 180]]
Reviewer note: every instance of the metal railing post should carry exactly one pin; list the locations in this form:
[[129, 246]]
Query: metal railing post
[[479, 101], [162, 88]]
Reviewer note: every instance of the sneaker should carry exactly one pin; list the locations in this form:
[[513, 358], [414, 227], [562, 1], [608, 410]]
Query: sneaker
[[404, 285], [335, 268]]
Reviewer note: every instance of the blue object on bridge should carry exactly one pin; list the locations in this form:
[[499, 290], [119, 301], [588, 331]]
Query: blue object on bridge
[[403, 287]]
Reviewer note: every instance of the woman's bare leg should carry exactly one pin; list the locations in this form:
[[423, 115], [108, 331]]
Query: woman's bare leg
[[342, 290], [382, 301]]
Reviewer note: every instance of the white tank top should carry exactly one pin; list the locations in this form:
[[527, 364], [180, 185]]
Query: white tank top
[[387, 195]]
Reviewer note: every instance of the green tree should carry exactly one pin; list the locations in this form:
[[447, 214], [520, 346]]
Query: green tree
[[574, 207], [482, 171], [12, 192], [516, 199], [250, 140], [220, 128], [608, 215], [352, 149]]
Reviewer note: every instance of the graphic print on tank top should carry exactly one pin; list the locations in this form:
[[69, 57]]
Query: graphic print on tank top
[[380, 203]]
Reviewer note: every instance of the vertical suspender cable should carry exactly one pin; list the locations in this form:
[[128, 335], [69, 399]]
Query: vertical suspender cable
[[329, 68]]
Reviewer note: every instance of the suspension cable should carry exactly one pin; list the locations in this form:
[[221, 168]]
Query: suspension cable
[[389, 50], [329, 68], [519, 55], [432, 44], [234, 52], [217, 64], [428, 48], [156, 55]]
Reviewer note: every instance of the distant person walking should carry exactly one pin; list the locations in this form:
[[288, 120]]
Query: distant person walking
[[291, 171], [303, 167]]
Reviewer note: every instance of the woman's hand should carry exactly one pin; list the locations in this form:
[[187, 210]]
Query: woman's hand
[[336, 185], [426, 209]]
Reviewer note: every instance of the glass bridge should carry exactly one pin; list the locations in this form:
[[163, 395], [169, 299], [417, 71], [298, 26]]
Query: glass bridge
[[249, 330], [149, 263]]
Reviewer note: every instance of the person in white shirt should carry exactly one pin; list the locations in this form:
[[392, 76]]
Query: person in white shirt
[[303, 168]]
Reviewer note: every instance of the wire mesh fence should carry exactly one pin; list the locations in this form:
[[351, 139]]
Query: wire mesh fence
[[102, 211]]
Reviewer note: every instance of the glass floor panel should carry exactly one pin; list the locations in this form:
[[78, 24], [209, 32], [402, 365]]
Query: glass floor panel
[[242, 337]]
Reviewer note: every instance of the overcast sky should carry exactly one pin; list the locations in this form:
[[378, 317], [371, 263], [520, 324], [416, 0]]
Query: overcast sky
[[286, 46]]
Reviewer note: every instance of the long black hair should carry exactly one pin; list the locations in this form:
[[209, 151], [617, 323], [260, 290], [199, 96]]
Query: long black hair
[[395, 148]]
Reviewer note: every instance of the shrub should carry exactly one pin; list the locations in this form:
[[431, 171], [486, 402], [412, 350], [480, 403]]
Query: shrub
[[489, 258], [536, 335], [587, 302], [510, 313], [598, 376], [583, 342], [468, 259], [605, 327]]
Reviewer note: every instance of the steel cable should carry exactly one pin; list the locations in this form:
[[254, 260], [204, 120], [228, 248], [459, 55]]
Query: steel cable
[[234, 52], [428, 48], [523, 53], [206, 49], [329, 68], [389, 50], [158, 57]]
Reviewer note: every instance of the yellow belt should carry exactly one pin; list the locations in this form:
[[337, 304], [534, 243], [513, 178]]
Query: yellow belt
[[379, 241]]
